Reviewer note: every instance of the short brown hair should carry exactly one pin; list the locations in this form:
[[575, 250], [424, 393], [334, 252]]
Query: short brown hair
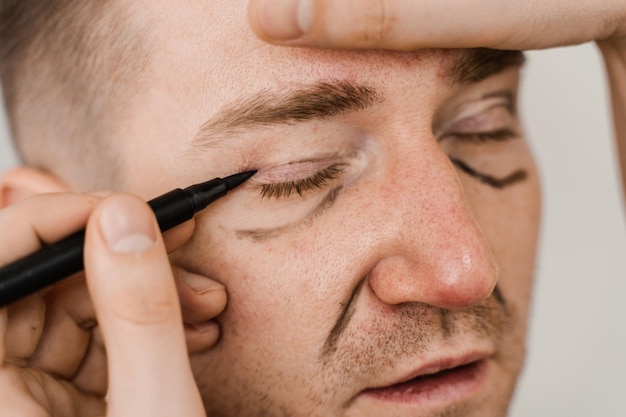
[[63, 64]]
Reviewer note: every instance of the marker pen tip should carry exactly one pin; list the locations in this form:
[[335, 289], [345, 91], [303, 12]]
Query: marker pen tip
[[238, 179]]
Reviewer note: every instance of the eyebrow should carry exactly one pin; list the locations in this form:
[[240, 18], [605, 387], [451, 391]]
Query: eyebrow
[[480, 63], [324, 100], [318, 101]]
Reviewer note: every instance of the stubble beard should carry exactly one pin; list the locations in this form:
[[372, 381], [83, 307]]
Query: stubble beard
[[358, 357]]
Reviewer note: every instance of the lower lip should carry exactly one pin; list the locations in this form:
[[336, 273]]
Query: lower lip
[[444, 388]]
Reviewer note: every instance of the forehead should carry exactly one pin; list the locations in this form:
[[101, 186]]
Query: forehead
[[211, 44], [203, 59]]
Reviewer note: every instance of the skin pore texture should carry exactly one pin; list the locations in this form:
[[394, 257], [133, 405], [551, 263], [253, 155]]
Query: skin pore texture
[[366, 251]]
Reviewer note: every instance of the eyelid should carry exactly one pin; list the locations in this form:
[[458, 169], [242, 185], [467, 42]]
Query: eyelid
[[292, 172], [468, 111], [300, 186], [494, 124]]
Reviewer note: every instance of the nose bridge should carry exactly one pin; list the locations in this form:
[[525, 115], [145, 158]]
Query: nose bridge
[[434, 250]]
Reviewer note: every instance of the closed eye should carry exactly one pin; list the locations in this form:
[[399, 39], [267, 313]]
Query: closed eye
[[499, 135], [313, 183]]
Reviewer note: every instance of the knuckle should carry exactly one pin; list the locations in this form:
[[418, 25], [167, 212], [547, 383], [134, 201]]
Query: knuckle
[[378, 23], [365, 24], [613, 25], [26, 322], [14, 400], [387, 21]]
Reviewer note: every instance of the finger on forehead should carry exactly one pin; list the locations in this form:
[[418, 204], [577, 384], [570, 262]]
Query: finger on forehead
[[404, 25], [40, 220], [411, 25]]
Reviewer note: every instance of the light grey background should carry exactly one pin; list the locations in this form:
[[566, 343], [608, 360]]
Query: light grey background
[[577, 351]]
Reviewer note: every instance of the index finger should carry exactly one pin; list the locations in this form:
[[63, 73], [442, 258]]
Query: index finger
[[410, 25], [43, 219]]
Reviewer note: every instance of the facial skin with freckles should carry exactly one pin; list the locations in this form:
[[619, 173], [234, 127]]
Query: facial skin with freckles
[[364, 254]]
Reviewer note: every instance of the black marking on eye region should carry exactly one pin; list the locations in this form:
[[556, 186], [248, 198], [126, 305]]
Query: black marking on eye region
[[499, 183], [263, 234]]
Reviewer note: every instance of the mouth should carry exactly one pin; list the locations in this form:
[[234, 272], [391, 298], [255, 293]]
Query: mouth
[[443, 383]]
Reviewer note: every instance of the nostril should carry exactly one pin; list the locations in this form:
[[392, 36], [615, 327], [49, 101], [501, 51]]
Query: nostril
[[465, 292]]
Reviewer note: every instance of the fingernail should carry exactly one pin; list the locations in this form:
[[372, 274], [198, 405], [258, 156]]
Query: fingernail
[[200, 284], [285, 19], [127, 225]]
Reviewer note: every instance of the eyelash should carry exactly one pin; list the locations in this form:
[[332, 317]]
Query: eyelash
[[313, 183], [500, 135]]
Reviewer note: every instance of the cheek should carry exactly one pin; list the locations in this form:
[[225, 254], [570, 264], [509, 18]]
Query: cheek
[[284, 296], [282, 293]]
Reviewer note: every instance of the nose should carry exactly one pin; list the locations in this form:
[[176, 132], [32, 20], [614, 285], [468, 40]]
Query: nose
[[432, 250]]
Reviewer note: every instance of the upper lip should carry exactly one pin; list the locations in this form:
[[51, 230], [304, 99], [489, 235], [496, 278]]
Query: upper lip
[[439, 364]]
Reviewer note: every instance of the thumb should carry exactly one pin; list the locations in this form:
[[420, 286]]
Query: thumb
[[134, 295]]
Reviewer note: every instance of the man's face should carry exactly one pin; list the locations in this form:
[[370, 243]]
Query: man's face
[[361, 258]]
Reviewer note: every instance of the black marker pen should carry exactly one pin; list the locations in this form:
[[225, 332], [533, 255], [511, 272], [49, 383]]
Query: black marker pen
[[64, 258]]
